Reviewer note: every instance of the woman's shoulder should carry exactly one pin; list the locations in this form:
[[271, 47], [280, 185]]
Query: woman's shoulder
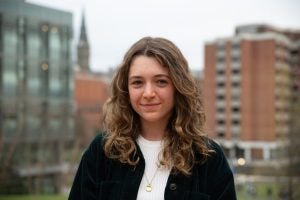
[[96, 145], [98, 139], [217, 156], [217, 172], [213, 145]]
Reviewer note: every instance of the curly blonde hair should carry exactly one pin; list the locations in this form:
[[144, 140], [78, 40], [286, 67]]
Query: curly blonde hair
[[185, 136]]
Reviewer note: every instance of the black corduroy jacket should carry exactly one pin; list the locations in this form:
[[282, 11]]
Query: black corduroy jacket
[[100, 178]]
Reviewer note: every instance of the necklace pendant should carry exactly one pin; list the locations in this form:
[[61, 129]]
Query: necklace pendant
[[148, 188]]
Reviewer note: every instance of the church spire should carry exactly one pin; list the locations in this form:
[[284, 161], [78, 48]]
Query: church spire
[[83, 49], [83, 36]]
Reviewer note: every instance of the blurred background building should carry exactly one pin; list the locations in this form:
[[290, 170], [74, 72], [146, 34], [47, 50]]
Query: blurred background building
[[36, 100], [90, 93], [83, 48], [251, 92]]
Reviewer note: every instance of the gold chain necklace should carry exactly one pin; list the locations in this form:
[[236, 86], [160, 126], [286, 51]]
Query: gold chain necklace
[[149, 183]]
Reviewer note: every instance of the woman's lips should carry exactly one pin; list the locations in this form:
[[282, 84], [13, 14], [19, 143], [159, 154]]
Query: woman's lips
[[150, 106]]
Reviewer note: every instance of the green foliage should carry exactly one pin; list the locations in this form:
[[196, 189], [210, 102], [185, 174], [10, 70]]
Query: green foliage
[[262, 191], [33, 197]]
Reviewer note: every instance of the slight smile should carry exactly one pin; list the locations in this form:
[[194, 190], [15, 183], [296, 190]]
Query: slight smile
[[150, 105]]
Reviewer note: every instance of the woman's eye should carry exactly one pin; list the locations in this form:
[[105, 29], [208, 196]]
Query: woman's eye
[[162, 82], [136, 83]]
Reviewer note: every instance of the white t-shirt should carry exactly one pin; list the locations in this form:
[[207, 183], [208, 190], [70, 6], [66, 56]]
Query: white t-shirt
[[157, 177]]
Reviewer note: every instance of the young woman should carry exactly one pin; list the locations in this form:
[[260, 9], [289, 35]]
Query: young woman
[[153, 146]]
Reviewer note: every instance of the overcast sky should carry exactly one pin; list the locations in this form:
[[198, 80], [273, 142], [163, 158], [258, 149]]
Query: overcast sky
[[114, 25]]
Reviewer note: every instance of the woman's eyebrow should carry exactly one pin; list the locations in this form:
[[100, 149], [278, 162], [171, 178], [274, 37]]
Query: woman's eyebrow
[[155, 76], [135, 77], [162, 75]]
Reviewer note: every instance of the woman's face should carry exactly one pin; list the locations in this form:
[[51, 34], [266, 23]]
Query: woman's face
[[151, 90]]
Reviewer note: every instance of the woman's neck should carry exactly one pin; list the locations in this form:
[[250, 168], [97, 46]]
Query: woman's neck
[[153, 130]]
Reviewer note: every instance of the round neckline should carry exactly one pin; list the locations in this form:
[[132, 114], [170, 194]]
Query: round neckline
[[147, 142]]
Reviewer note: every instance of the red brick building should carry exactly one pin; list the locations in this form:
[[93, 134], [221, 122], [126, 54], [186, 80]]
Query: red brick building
[[248, 91], [90, 93]]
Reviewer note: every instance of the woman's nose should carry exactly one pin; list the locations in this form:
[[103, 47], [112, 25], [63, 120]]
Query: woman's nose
[[149, 91]]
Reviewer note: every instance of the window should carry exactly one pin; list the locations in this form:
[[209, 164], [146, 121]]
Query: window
[[220, 109], [235, 109], [239, 152], [235, 71], [235, 84], [33, 77], [221, 134], [10, 126], [33, 125], [221, 59], [221, 46], [235, 59], [235, 45], [235, 122], [235, 97], [220, 97], [226, 151], [220, 72], [221, 122], [256, 154], [221, 84]]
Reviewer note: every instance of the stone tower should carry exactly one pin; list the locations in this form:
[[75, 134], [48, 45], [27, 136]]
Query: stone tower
[[83, 48]]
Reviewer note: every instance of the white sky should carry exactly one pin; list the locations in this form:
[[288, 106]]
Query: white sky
[[114, 25]]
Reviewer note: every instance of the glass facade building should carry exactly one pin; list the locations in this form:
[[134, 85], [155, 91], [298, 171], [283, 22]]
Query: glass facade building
[[36, 119]]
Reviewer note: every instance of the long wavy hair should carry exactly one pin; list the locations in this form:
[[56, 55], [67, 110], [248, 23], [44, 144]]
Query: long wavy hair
[[185, 138]]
